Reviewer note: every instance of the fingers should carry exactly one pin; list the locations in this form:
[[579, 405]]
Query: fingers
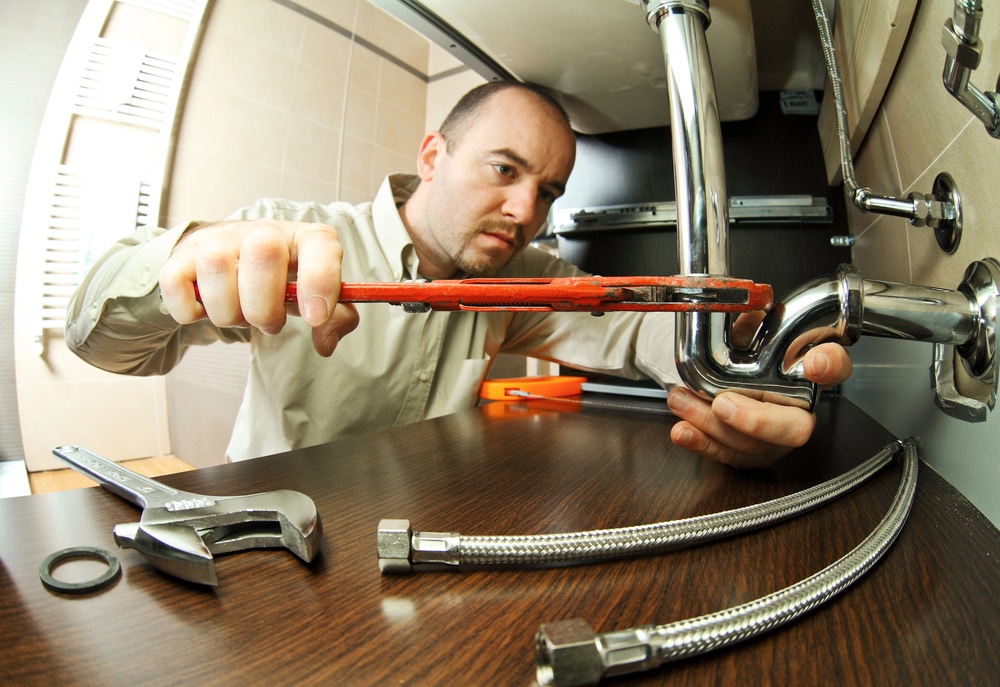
[[828, 364], [241, 271], [737, 430], [261, 275], [326, 336], [318, 259]]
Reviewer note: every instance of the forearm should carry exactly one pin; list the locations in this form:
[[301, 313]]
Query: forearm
[[629, 345], [115, 319]]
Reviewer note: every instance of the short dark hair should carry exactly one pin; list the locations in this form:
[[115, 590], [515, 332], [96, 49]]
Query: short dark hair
[[458, 120]]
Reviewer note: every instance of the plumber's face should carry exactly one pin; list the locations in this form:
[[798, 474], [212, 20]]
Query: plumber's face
[[490, 194]]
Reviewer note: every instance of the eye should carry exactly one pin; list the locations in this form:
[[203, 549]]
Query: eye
[[503, 169], [546, 196]]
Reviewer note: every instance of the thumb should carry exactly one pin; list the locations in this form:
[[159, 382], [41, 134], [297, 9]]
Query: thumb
[[344, 320]]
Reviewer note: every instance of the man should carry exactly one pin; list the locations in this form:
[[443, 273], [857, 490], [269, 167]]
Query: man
[[485, 183]]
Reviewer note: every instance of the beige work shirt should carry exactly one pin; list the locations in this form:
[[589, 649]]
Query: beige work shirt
[[395, 368]]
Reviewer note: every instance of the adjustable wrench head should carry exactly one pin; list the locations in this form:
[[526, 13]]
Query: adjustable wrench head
[[180, 537], [177, 550]]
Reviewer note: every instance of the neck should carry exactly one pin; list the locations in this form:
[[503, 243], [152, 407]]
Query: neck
[[433, 263]]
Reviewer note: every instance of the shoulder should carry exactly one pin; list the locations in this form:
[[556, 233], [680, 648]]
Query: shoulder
[[334, 214]]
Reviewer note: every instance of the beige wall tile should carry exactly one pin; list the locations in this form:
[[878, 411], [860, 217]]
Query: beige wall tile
[[931, 132], [264, 23], [212, 187], [920, 111], [312, 149], [238, 66], [353, 195], [440, 60], [356, 170], [392, 36], [362, 108], [386, 161], [319, 97], [882, 252], [340, 12], [326, 50], [398, 130], [365, 67], [402, 89], [229, 125]]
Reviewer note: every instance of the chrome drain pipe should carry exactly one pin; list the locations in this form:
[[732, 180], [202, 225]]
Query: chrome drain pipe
[[837, 308]]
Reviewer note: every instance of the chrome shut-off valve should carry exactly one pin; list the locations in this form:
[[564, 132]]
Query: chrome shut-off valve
[[963, 49]]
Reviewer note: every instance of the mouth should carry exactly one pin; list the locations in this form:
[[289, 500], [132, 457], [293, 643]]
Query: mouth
[[503, 239], [509, 241]]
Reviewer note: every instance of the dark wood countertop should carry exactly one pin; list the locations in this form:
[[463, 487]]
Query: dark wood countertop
[[927, 614]]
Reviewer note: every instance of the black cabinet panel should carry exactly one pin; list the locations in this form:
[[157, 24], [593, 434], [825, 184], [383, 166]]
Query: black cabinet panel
[[770, 154]]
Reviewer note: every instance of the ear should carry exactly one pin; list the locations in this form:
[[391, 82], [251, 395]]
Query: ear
[[431, 147]]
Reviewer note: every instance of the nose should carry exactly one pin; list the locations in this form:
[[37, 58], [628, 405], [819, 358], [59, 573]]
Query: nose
[[521, 204]]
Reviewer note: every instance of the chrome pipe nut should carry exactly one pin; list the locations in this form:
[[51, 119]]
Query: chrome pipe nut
[[394, 546], [566, 655], [964, 53]]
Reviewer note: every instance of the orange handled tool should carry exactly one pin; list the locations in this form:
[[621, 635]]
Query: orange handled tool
[[593, 294]]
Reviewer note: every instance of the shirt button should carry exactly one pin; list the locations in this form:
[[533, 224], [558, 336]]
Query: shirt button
[[424, 376]]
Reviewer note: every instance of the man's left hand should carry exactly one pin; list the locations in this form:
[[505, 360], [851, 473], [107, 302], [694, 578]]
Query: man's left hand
[[746, 433]]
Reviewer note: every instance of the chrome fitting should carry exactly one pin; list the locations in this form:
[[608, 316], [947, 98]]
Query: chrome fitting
[[435, 548], [569, 654], [982, 285], [967, 18], [928, 211], [965, 53], [394, 546], [657, 9], [400, 549], [566, 655]]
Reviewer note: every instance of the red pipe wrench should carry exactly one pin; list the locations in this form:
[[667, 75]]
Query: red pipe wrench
[[583, 294], [588, 294]]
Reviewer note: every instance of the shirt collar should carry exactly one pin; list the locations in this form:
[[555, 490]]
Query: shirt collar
[[395, 190]]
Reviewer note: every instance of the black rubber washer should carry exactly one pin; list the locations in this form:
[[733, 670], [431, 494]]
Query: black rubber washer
[[52, 584]]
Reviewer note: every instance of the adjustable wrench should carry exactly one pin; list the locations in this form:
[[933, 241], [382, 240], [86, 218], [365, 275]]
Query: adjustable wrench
[[179, 531]]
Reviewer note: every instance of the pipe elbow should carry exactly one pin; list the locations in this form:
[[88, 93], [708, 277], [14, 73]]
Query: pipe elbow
[[771, 367]]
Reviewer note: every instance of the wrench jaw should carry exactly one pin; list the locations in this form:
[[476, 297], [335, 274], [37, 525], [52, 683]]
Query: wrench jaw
[[176, 550], [289, 521], [275, 519], [182, 543]]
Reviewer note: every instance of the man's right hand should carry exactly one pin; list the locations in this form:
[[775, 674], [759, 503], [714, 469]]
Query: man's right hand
[[242, 269]]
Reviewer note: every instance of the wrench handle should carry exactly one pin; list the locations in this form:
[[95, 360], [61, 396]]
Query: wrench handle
[[119, 480]]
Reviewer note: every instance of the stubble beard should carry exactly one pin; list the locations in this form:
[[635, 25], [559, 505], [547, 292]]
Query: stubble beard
[[480, 265]]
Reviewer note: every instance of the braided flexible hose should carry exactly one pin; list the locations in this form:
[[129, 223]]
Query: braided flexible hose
[[567, 653], [690, 637], [578, 547], [830, 56]]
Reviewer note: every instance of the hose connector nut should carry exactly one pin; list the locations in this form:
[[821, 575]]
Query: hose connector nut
[[566, 655], [958, 48], [394, 546]]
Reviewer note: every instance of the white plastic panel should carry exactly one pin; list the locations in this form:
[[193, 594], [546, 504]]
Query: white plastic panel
[[602, 56]]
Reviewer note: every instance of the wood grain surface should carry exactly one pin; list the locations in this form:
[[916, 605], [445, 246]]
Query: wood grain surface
[[928, 614]]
